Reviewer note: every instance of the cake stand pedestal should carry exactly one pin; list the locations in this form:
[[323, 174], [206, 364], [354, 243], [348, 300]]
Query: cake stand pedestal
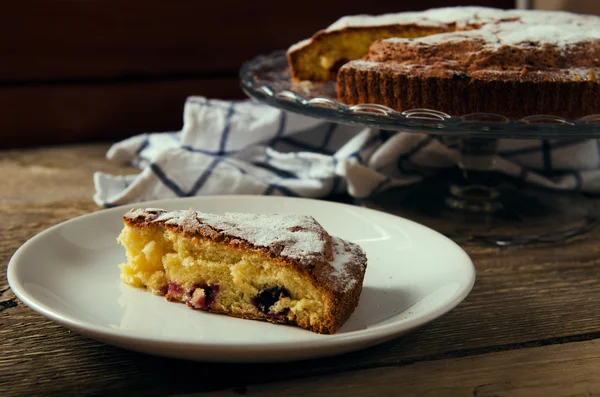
[[470, 202]]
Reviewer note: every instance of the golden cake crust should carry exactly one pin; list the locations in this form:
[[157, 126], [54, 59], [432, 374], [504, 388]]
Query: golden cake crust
[[335, 266]]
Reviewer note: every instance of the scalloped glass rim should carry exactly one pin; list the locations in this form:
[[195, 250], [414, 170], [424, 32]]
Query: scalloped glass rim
[[266, 79]]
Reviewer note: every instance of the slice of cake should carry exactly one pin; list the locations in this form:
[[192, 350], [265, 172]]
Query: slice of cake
[[281, 268]]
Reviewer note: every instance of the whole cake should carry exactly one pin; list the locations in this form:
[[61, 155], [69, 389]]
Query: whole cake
[[461, 60], [281, 268]]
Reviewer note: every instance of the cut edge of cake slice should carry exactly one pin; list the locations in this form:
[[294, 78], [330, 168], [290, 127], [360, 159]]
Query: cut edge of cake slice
[[281, 268]]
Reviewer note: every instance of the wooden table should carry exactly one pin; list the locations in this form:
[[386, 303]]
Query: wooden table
[[530, 327]]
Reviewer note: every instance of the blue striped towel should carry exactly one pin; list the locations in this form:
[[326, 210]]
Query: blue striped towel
[[244, 147]]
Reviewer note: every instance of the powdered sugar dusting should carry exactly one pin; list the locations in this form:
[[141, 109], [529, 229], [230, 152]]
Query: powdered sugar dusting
[[513, 34], [434, 17], [559, 35], [299, 45], [483, 35], [300, 235], [345, 253], [465, 17], [381, 20], [542, 17], [362, 64], [497, 27]]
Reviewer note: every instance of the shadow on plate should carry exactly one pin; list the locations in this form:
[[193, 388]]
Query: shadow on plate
[[378, 306]]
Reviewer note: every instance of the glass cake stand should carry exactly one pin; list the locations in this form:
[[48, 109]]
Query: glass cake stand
[[469, 202]]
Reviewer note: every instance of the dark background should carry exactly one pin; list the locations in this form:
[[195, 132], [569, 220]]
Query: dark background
[[100, 70]]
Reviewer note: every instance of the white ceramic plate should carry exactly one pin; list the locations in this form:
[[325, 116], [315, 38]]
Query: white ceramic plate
[[69, 274]]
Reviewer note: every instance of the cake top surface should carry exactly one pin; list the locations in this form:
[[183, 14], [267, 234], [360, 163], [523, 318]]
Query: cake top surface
[[556, 34], [560, 51], [515, 34], [297, 237], [463, 17], [511, 27]]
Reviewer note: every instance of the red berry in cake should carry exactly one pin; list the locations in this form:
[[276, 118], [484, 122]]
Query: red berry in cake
[[202, 296], [174, 292], [162, 291]]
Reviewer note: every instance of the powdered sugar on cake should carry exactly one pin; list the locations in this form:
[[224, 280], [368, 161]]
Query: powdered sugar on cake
[[299, 45], [513, 34], [298, 237], [435, 17], [442, 38], [381, 20], [465, 16], [345, 253], [559, 35], [510, 27]]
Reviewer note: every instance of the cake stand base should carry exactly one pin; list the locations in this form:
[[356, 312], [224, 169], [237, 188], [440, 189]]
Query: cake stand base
[[502, 212]]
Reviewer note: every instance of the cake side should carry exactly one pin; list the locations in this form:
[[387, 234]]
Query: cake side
[[193, 262], [509, 94]]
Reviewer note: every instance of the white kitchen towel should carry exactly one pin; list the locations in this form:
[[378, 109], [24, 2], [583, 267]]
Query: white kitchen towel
[[243, 147]]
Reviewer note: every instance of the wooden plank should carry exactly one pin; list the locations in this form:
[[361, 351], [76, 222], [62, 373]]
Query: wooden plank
[[67, 113], [49, 177], [562, 370], [67, 39], [524, 297]]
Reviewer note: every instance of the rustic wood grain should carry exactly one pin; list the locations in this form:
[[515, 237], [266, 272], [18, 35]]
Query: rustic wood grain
[[564, 370], [523, 298], [55, 114]]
